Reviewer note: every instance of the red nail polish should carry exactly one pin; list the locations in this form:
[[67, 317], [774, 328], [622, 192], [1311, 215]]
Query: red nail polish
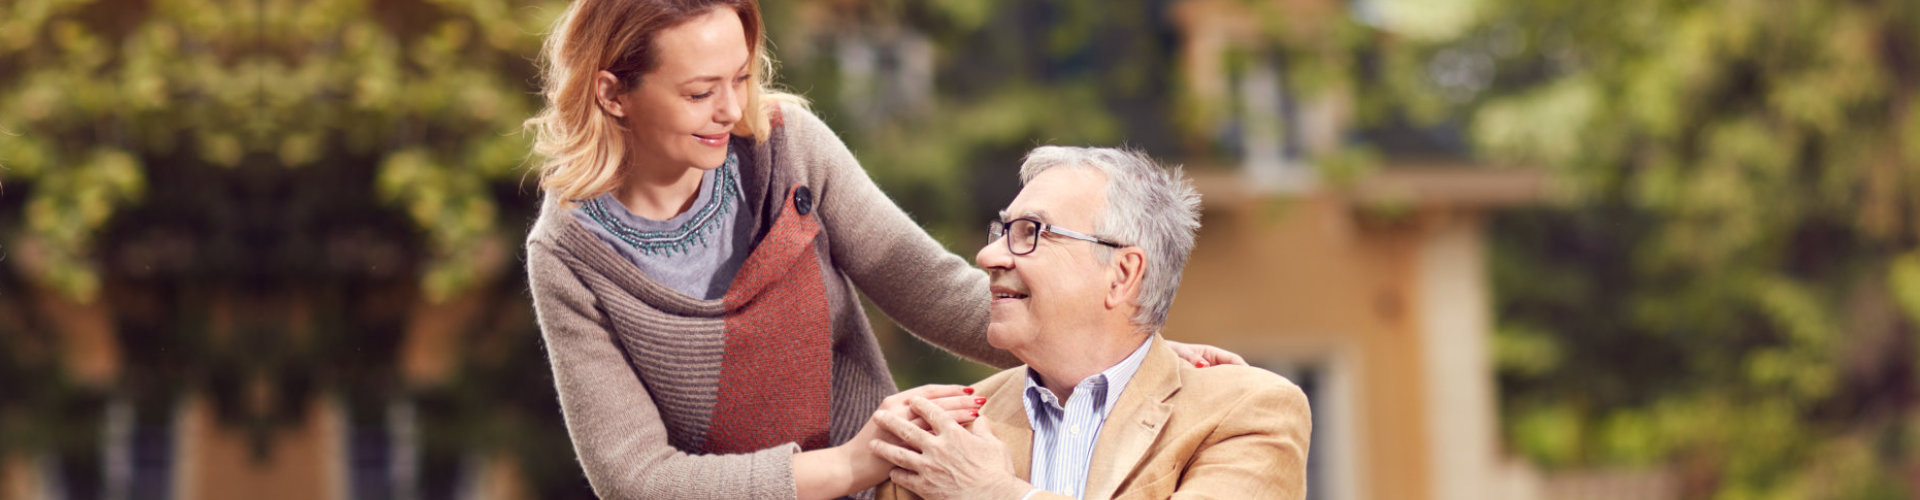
[[979, 401], [968, 390], [976, 413], [1201, 364]]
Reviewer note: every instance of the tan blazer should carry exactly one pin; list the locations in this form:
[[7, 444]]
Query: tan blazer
[[1176, 432]]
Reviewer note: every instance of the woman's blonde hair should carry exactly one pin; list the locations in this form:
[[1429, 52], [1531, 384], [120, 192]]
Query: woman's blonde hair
[[583, 147]]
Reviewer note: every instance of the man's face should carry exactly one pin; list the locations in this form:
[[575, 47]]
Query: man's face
[[1041, 297]]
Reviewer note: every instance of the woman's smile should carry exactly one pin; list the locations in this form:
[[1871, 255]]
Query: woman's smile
[[715, 140]]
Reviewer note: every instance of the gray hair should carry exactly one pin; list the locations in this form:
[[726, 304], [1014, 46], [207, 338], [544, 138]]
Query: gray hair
[[1148, 206]]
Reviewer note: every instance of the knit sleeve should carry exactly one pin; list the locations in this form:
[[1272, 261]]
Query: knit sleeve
[[936, 295], [617, 432]]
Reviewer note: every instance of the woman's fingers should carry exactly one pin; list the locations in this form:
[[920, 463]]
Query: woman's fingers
[[962, 412], [1225, 357], [962, 417], [936, 391], [959, 404], [1202, 355]]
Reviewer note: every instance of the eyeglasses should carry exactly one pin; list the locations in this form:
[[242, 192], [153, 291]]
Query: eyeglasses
[[1023, 234]]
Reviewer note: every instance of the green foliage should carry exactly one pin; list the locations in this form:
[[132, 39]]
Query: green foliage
[[94, 92], [1732, 283], [258, 190]]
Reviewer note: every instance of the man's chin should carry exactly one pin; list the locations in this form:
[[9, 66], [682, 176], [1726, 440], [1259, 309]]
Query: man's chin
[[997, 337]]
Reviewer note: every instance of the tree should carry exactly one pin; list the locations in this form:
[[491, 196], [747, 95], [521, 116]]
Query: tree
[[255, 192], [1734, 284]]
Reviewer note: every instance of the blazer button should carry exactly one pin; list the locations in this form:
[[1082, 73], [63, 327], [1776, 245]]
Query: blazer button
[[803, 200]]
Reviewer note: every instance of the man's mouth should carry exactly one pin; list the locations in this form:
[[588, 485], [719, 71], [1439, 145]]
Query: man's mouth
[[1007, 293]]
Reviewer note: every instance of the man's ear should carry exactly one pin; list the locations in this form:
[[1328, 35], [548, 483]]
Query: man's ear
[[606, 93], [1124, 275]]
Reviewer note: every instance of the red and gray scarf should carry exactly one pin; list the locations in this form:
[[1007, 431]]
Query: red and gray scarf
[[776, 378]]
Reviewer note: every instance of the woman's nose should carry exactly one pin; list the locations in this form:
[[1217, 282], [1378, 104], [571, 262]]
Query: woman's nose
[[729, 111]]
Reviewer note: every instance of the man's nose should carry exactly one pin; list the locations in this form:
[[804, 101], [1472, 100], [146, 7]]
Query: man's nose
[[994, 255]]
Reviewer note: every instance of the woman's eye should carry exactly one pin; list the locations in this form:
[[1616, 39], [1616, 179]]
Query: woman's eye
[[701, 96], [741, 79]]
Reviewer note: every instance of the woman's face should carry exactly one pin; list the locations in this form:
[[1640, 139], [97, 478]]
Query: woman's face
[[682, 114]]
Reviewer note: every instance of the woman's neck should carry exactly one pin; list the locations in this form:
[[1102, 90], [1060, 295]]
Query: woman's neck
[[660, 195]]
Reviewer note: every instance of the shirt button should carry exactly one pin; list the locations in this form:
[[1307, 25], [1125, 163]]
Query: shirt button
[[1074, 429]]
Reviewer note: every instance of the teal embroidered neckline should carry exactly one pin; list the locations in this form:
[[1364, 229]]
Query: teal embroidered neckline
[[680, 239]]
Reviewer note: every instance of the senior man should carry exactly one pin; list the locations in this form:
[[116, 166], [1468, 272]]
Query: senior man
[[1084, 265]]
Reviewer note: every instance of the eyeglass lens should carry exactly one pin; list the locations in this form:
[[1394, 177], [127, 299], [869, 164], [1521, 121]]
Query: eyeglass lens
[[1022, 234]]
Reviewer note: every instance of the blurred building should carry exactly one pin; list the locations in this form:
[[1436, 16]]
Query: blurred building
[[1370, 292], [332, 445]]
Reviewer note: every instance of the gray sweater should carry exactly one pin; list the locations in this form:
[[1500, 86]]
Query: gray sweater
[[697, 252], [637, 364]]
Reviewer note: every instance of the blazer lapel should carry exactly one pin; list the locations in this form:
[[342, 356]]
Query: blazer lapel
[[1007, 413], [1137, 420]]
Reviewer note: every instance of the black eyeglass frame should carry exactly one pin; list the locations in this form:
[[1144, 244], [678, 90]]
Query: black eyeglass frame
[[998, 229]]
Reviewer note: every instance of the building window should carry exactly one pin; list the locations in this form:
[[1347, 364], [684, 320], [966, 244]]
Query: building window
[[152, 460], [1267, 129], [137, 452], [381, 462], [1332, 455]]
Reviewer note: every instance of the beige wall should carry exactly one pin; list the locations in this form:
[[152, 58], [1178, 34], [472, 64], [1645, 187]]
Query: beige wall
[[1283, 279], [1455, 322], [18, 478], [216, 463]]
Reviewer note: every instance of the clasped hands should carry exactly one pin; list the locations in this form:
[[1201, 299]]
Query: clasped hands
[[921, 439], [936, 456]]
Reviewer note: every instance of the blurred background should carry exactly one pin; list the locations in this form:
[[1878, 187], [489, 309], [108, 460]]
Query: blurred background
[[1512, 249]]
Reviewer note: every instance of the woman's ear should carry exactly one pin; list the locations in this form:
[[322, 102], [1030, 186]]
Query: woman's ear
[[606, 92], [1124, 276]]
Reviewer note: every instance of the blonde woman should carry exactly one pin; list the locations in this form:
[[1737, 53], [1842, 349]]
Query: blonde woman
[[695, 262]]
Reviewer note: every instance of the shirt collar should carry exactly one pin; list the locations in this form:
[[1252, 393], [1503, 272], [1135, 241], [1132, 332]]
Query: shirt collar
[[1105, 386]]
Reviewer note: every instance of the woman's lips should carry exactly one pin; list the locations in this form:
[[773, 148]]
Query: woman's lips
[[715, 140]]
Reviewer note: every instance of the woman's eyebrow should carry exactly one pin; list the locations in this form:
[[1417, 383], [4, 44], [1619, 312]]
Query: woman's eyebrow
[[713, 78]]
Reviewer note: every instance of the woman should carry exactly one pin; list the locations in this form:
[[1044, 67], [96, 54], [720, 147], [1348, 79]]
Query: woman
[[694, 265]]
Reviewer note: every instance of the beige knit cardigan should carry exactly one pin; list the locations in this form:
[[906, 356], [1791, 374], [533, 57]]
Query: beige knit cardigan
[[637, 363]]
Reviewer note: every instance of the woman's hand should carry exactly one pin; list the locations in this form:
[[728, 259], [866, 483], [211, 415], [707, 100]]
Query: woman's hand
[[957, 401], [1203, 355], [851, 467], [950, 461]]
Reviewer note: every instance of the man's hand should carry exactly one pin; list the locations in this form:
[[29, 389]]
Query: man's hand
[[947, 461], [956, 403], [1203, 355]]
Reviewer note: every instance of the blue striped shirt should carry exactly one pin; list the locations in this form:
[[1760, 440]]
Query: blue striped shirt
[[1064, 435]]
